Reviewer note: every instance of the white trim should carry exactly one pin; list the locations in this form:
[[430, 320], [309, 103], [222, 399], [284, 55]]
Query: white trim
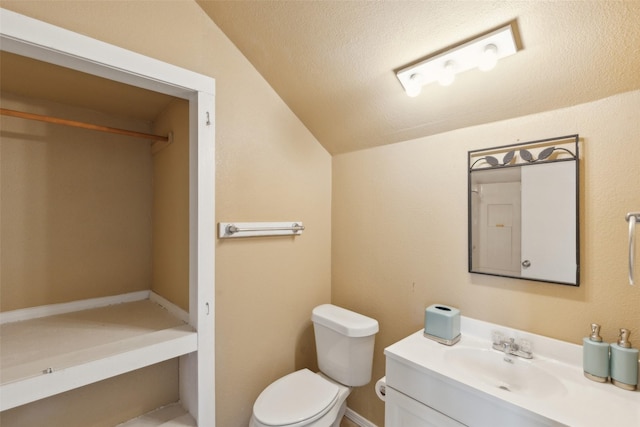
[[69, 307], [91, 303], [173, 309], [36, 39], [203, 242], [358, 419], [45, 42]]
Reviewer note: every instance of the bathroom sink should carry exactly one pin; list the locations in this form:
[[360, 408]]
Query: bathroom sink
[[471, 383], [508, 373]]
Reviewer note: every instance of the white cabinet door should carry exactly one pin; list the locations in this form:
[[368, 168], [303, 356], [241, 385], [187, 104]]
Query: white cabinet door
[[549, 222], [403, 411]]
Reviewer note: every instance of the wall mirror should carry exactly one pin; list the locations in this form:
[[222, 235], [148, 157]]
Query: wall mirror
[[523, 210]]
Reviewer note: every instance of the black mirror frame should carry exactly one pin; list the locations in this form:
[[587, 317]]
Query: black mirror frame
[[485, 159]]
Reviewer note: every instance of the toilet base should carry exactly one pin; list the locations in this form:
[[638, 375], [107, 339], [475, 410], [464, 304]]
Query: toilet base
[[343, 409]]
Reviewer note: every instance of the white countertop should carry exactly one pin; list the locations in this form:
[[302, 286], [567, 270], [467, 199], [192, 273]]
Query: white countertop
[[575, 400]]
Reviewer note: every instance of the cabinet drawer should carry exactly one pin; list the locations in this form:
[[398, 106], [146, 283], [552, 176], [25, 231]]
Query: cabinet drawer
[[403, 411]]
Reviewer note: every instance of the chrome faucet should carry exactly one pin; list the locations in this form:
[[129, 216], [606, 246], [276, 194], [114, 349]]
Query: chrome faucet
[[510, 347]]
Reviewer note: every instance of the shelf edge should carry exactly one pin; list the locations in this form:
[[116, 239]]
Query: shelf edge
[[182, 340]]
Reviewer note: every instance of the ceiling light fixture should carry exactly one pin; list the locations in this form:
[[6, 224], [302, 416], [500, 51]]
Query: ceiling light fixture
[[447, 73], [488, 58], [415, 84], [482, 53]]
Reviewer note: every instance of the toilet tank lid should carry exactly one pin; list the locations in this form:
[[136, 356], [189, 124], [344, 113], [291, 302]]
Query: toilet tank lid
[[344, 321]]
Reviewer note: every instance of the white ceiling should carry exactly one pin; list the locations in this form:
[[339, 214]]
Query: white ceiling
[[333, 62]]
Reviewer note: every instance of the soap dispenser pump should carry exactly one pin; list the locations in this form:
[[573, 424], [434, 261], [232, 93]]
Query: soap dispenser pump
[[624, 362], [595, 356]]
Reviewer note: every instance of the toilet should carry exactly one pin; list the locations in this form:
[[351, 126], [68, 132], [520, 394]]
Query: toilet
[[344, 345]]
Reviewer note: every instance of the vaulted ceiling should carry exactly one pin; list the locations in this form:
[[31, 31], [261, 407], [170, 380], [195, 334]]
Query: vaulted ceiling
[[333, 62]]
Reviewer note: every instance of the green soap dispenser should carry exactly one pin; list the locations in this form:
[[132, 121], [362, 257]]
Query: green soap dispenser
[[595, 356], [624, 362]]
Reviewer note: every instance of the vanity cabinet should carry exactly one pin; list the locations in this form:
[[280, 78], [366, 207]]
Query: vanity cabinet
[[421, 395], [475, 385]]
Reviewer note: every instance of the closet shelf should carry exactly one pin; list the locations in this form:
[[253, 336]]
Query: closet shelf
[[45, 356]]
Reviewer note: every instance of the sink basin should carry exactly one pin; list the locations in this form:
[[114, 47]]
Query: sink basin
[[508, 373], [471, 383]]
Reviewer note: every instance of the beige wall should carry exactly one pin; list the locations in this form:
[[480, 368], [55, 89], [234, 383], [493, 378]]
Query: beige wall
[[76, 207], [400, 235], [269, 168], [76, 223], [404, 207], [103, 404], [170, 248]]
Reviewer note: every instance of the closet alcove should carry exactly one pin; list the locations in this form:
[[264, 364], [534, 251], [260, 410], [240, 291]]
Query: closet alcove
[[104, 321]]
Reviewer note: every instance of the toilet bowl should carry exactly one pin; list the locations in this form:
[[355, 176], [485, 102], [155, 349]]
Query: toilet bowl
[[344, 346], [301, 399]]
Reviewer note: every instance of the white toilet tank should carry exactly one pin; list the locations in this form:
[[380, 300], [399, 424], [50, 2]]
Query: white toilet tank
[[344, 344]]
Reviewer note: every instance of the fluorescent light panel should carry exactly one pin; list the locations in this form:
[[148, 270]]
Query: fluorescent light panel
[[482, 53]]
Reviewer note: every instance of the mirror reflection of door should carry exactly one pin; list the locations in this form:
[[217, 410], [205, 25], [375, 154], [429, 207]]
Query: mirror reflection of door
[[498, 246], [549, 221]]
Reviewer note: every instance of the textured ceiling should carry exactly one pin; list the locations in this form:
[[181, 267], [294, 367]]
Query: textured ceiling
[[333, 62]]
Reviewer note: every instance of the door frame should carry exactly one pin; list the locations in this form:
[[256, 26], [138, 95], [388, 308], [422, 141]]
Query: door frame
[[39, 40]]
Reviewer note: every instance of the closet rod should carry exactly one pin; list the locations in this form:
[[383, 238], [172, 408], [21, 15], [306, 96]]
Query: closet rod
[[73, 123]]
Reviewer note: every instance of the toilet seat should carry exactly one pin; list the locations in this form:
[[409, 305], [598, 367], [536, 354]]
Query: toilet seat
[[296, 399]]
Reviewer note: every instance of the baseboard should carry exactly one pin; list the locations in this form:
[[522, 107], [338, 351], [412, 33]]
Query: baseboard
[[358, 419], [69, 307]]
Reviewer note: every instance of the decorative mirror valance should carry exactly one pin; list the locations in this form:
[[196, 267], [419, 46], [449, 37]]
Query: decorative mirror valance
[[523, 210]]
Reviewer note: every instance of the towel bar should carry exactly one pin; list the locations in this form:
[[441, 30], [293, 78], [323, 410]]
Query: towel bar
[[228, 230], [632, 218]]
